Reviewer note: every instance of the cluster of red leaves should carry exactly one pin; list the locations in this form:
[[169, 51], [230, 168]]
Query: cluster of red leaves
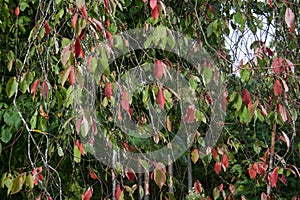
[[37, 175], [223, 163]]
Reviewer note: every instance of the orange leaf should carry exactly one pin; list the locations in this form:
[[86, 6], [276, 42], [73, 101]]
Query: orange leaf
[[277, 88], [217, 167], [274, 177], [252, 172], [155, 12], [33, 88], [215, 155], [17, 11], [92, 174], [43, 113], [88, 194], [160, 98], [108, 90], [80, 146], [225, 160], [109, 38]]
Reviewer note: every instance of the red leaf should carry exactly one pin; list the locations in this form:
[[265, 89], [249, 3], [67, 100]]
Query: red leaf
[[289, 18], [283, 180], [269, 52], [197, 187], [109, 38], [44, 89], [277, 88], [125, 101], [270, 3], [159, 69], [107, 22], [225, 160], [49, 198], [274, 177], [43, 113], [74, 20], [83, 11], [215, 155], [130, 174], [33, 88], [189, 115], [211, 9], [153, 4], [36, 173], [71, 76], [155, 12], [47, 28], [17, 11], [217, 167], [92, 174], [88, 194], [160, 98], [118, 192], [80, 146], [252, 172], [277, 65], [221, 187], [108, 90], [246, 96], [77, 49], [144, 1]]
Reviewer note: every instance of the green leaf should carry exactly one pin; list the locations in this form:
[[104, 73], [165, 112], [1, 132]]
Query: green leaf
[[11, 87], [23, 6], [245, 115], [18, 183], [6, 134], [216, 193], [33, 120], [207, 75], [77, 154], [245, 74], [60, 151], [239, 18], [26, 81], [159, 177], [29, 181], [80, 3], [12, 119]]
